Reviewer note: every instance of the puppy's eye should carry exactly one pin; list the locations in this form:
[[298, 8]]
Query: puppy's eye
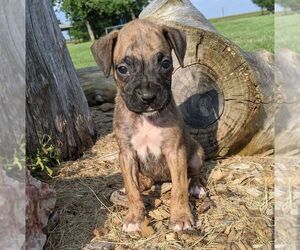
[[166, 64], [122, 69]]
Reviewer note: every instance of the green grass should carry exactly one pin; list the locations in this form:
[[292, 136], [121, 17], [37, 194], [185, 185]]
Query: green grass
[[81, 54], [287, 32], [250, 31], [230, 18]]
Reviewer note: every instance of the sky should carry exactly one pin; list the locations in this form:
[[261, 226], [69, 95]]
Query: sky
[[216, 8], [210, 8]]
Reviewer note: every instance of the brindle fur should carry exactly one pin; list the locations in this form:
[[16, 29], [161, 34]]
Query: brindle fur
[[171, 154]]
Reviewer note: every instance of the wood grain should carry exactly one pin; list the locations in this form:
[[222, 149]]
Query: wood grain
[[55, 102], [226, 95]]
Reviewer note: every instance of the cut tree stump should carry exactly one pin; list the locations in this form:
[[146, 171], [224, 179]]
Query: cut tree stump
[[55, 102], [226, 95], [97, 88]]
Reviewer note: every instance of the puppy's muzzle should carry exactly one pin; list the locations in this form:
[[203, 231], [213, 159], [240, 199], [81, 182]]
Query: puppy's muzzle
[[146, 96]]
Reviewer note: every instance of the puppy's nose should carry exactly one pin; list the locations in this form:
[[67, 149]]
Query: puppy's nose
[[147, 97]]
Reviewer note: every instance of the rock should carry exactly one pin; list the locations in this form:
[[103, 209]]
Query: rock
[[41, 200], [12, 207], [100, 246], [105, 107], [119, 197]]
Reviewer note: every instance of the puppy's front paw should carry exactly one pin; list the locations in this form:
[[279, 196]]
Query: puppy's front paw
[[182, 221], [197, 191], [133, 221], [129, 227]]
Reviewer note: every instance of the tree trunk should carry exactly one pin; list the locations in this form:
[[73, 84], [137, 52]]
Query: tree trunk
[[132, 14], [12, 77], [226, 95], [90, 30], [55, 102], [12, 124]]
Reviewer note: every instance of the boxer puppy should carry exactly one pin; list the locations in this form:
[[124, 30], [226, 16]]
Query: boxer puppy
[[154, 144]]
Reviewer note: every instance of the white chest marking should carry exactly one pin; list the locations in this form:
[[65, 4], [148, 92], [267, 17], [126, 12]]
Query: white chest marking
[[147, 139]]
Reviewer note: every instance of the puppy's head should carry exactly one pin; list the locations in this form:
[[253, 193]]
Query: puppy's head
[[141, 57]]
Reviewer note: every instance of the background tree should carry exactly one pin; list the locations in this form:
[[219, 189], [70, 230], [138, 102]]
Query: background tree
[[265, 4], [90, 17], [292, 4]]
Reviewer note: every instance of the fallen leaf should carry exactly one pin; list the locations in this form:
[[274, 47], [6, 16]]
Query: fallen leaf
[[218, 175], [147, 231], [99, 232], [227, 230], [254, 192], [157, 202], [159, 213], [204, 205], [171, 236], [231, 235], [166, 187]]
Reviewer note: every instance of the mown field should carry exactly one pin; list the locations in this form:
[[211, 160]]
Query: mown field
[[287, 32], [251, 32]]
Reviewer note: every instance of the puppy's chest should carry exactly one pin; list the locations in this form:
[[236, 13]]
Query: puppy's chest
[[147, 140]]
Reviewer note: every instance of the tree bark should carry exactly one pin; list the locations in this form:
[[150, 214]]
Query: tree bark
[[132, 14], [12, 124], [12, 77], [55, 102], [226, 95], [90, 31]]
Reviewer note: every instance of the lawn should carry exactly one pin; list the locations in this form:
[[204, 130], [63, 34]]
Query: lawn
[[287, 32], [81, 55], [250, 31]]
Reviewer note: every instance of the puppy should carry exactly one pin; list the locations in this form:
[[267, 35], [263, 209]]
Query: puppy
[[154, 144]]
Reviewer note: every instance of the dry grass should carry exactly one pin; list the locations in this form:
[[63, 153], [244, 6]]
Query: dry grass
[[236, 214]]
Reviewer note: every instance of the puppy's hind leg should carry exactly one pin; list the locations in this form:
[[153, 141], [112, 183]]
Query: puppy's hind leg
[[194, 165]]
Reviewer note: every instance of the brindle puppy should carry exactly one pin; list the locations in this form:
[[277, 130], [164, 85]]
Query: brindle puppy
[[154, 144]]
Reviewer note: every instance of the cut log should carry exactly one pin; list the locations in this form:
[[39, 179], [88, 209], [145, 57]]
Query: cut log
[[225, 94], [97, 88], [55, 102]]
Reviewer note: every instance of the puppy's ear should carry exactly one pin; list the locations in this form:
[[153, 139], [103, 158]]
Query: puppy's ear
[[102, 51], [177, 41]]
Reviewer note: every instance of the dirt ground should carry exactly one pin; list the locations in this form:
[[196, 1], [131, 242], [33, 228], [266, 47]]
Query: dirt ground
[[236, 213]]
